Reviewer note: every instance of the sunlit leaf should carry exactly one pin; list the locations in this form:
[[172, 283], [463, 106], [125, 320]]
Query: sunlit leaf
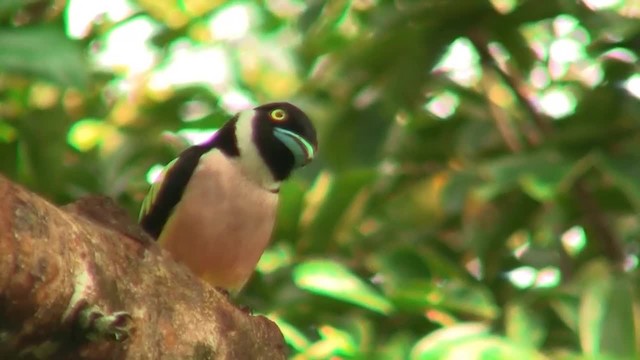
[[86, 134], [523, 326], [7, 132], [292, 335], [343, 340], [274, 258], [436, 344], [469, 341], [606, 315], [592, 313], [331, 279], [333, 342]]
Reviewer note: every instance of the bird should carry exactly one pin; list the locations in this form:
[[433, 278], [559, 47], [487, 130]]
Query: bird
[[213, 208]]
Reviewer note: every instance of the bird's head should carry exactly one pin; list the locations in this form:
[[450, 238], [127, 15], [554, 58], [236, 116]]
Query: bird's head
[[278, 137], [284, 135]]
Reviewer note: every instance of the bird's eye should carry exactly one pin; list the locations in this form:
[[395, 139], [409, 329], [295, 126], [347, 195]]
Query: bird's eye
[[278, 115]]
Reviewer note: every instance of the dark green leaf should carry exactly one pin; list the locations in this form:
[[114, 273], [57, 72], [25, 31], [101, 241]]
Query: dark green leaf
[[43, 52]]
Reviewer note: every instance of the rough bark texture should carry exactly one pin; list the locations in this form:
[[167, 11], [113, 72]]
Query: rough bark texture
[[72, 287]]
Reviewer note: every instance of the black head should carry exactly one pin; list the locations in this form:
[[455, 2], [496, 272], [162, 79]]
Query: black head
[[284, 136]]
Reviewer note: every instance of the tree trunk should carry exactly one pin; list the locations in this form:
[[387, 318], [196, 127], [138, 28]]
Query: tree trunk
[[83, 282]]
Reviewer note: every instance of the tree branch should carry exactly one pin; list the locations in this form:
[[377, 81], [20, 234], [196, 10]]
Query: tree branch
[[597, 222], [72, 288]]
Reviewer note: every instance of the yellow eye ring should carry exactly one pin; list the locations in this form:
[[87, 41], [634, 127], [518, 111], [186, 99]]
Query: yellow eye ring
[[278, 115]]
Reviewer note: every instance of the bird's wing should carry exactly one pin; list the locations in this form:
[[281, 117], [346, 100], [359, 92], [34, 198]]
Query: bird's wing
[[151, 196], [167, 191]]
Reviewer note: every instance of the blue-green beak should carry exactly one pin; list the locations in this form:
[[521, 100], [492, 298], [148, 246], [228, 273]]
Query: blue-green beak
[[303, 152]]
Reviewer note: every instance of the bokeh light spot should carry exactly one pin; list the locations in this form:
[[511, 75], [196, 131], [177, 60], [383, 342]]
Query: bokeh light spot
[[566, 50], [154, 172], [548, 277], [504, 6], [523, 277], [127, 47], [443, 105], [80, 15], [602, 4], [196, 136], [86, 134], [633, 85], [460, 62], [557, 102], [230, 23], [574, 240], [193, 64]]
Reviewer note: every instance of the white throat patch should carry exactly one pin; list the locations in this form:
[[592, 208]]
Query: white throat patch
[[250, 161]]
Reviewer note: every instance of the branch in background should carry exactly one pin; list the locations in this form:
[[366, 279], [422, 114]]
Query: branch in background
[[71, 288], [596, 219], [502, 124], [610, 244], [513, 81]]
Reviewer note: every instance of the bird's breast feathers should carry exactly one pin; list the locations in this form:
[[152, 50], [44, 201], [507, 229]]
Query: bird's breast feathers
[[222, 223]]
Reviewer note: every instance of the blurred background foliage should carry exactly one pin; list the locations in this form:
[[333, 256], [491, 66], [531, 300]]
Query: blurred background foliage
[[478, 189]]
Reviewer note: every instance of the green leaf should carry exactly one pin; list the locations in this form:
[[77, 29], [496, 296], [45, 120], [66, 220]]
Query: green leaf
[[436, 344], [403, 264], [331, 197], [625, 172], [606, 314], [455, 192], [333, 342], [331, 279], [395, 347], [38, 165], [274, 258], [343, 341], [619, 336], [469, 341], [592, 314], [539, 174], [467, 298], [9, 6], [524, 326], [451, 295], [410, 294], [566, 307], [86, 134], [290, 207], [44, 52], [294, 337], [7, 132]]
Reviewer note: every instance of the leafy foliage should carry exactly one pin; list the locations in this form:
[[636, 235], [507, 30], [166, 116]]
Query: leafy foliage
[[477, 191]]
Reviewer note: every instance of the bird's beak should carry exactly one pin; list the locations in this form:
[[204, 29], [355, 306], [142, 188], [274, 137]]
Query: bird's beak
[[303, 152]]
